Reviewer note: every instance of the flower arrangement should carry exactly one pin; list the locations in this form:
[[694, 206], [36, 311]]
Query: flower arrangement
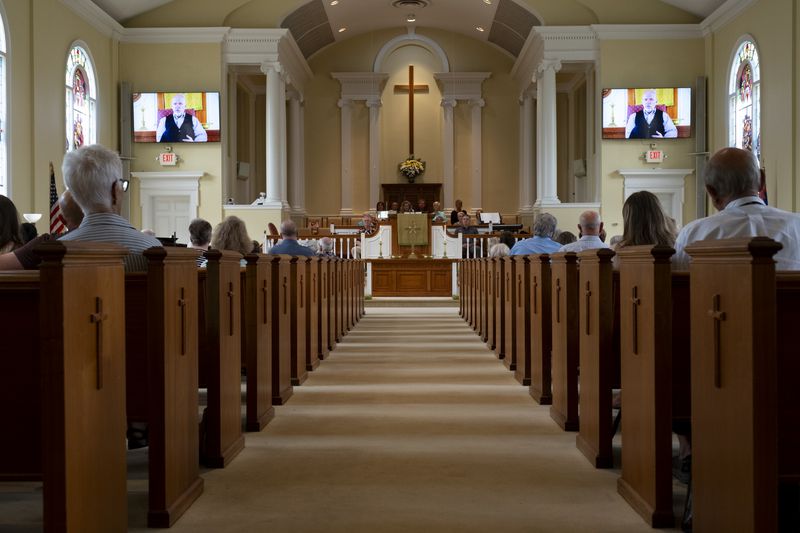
[[412, 167]]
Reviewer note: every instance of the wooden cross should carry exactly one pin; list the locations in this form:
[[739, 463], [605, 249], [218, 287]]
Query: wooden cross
[[264, 299], [535, 295], [182, 305], [558, 300], [635, 303], [230, 294], [411, 89], [588, 309], [412, 230], [97, 318], [717, 316]]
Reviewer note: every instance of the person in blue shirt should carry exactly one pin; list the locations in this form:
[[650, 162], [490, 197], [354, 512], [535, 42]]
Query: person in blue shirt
[[289, 244], [544, 229]]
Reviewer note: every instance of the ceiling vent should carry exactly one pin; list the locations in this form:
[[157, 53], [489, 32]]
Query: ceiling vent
[[416, 4]]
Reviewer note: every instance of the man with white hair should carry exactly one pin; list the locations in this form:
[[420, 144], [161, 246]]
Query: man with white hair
[[544, 229], [93, 174], [289, 244], [590, 227], [733, 179], [650, 122], [179, 126]]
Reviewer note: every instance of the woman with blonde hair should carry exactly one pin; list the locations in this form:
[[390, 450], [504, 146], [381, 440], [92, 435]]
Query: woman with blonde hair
[[231, 234], [645, 222]]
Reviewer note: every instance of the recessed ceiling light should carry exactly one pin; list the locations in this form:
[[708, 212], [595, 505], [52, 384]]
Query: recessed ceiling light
[[487, 2], [334, 2], [411, 18], [480, 28], [342, 29]]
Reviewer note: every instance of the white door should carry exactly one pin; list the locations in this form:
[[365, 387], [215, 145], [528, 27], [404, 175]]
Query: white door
[[171, 215]]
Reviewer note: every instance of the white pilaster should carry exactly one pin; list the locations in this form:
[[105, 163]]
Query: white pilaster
[[296, 177], [346, 106], [275, 109], [526, 153], [284, 143], [448, 150], [477, 152], [374, 105], [546, 132]]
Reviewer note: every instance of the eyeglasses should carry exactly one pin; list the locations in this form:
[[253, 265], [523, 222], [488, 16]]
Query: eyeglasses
[[125, 183]]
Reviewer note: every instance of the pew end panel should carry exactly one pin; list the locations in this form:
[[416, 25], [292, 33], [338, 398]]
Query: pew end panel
[[735, 385], [596, 297], [522, 324], [256, 338], [541, 329], [82, 329], [312, 315], [223, 417], [281, 346], [565, 352], [172, 393], [298, 286], [646, 371], [509, 317]]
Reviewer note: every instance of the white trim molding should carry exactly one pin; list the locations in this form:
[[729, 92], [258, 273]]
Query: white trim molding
[[662, 182], [724, 14], [409, 38], [271, 45], [640, 32], [174, 35], [96, 17]]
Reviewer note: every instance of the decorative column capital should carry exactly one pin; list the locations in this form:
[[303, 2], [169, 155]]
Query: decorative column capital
[[449, 103], [477, 102], [294, 94], [374, 102], [548, 64], [344, 102], [271, 67]]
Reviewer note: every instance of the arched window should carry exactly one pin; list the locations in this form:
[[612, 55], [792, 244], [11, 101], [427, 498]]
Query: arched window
[[744, 94], [4, 186], [81, 99]]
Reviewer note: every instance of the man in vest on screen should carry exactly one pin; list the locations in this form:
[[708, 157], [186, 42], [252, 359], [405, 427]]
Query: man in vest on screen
[[650, 122], [180, 127]]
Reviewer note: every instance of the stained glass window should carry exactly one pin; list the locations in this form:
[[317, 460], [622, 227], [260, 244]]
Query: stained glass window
[[744, 95], [4, 185], [81, 101]]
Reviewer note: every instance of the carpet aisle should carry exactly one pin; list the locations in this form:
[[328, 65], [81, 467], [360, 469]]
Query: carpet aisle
[[411, 424]]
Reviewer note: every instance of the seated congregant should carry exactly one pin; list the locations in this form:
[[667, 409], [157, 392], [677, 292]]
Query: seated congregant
[[733, 179], [199, 236], [544, 227], [406, 207], [288, 244], [70, 210], [438, 214], [94, 176], [326, 247], [10, 237], [231, 234], [591, 228], [565, 237]]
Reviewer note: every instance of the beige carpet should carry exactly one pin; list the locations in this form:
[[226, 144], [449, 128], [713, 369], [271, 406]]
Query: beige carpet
[[410, 425]]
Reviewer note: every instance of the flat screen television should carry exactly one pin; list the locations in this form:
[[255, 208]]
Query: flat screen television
[[647, 113], [172, 117]]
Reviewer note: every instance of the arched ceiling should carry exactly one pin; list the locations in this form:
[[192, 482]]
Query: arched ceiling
[[317, 23]]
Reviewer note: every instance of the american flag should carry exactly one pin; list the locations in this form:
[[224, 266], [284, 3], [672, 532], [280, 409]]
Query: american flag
[[57, 223]]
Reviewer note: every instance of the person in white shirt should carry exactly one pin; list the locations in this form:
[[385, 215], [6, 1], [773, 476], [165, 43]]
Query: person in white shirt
[[590, 227], [732, 180], [650, 122]]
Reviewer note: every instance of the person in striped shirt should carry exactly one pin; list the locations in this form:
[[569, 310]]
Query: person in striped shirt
[[93, 174]]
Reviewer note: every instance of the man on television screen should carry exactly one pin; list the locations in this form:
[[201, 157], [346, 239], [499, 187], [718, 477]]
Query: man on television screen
[[180, 127], [650, 122]]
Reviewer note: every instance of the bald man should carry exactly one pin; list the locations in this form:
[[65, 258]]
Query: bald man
[[590, 226], [70, 210], [289, 244], [732, 180]]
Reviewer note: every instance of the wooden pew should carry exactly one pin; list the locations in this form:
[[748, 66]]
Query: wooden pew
[[63, 354], [221, 358], [513, 289], [312, 314], [281, 346], [487, 298], [565, 352], [522, 324], [298, 286], [165, 360], [541, 329], [599, 356], [745, 408], [654, 354], [256, 340], [324, 308], [496, 338]]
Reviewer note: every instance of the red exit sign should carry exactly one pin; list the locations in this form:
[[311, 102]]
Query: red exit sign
[[167, 158], [654, 156]]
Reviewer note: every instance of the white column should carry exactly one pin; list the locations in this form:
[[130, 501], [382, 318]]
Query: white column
[[591, 136], [275, 109], [296, 178], [374, 105], [526, 154], [283, 149], [477, 147], [546, 132], [346, 106], [448, 151]]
